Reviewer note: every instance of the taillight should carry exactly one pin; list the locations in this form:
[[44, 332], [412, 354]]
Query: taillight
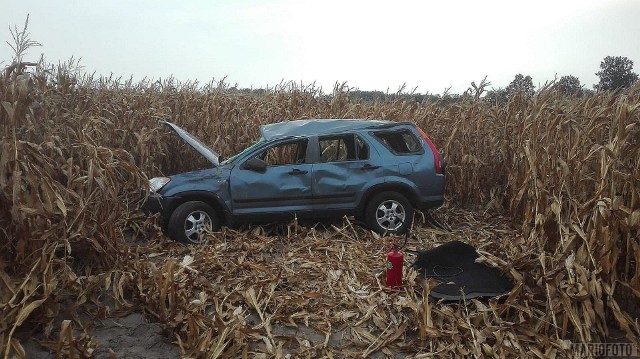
[[436, 156]]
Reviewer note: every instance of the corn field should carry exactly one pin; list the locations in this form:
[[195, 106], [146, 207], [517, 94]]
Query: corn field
[[547, 188]]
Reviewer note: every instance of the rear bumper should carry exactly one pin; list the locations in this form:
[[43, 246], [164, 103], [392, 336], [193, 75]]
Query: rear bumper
[[431, 202]]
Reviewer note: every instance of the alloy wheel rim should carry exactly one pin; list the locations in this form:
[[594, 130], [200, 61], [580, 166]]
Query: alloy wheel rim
[[196, 223], [390, 215]]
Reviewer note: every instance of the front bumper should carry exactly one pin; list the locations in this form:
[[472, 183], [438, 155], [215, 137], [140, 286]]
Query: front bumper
[[157, 203], [153, 204]]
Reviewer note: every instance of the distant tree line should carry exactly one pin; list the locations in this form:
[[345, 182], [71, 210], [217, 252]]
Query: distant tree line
[[446, 98], [616, 73]]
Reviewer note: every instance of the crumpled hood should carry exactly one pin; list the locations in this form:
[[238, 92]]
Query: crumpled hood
[[202, 149]]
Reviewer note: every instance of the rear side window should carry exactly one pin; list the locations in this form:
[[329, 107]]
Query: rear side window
[[342, 148], [400, 142]]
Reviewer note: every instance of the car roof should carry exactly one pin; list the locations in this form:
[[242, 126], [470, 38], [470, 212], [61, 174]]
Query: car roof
[[319, 127]]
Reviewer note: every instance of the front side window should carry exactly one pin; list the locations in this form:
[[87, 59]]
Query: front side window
[[285, 153], [400, 142], [342, 148], [246, 150]]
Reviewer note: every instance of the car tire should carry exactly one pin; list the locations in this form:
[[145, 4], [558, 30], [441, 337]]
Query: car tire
[[190, 220], [389, 213]]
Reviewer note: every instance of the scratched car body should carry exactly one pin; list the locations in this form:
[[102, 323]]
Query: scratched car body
[[377, 171]]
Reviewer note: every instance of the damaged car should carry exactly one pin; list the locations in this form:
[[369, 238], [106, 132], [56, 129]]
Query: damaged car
[[377, 171]]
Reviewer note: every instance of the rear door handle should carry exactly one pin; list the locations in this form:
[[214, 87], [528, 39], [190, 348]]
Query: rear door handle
[[296, 171], [368, 167]]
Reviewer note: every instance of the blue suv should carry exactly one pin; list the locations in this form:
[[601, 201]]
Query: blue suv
[[377, 171]]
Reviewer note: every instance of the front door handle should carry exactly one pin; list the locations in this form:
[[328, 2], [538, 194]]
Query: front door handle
[[296, 171], [369, 167]]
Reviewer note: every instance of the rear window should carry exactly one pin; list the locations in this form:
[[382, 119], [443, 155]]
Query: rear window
[[400, 142]]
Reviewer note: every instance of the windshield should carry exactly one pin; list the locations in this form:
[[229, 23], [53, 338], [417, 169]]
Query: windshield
[[245, 151]]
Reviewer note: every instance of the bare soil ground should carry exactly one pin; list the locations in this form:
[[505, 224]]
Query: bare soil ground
[[129, 336]]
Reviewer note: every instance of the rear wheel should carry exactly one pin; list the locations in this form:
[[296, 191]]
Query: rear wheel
[[389, 212], [190, 220]]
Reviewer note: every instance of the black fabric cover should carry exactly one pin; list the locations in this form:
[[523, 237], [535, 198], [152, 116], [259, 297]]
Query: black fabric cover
[[453, 264]]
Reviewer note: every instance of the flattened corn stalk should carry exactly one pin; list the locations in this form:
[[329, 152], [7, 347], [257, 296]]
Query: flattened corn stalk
[[565, 171]]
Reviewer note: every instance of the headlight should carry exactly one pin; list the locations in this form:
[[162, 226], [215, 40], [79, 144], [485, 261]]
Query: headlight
[[156, 183]]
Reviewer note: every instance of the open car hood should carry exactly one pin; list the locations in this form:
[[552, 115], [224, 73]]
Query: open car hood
[[202, 149]]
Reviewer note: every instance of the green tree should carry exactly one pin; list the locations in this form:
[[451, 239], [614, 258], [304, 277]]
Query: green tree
[[569, 85], [496, 96], [521, 84], [615, 73]]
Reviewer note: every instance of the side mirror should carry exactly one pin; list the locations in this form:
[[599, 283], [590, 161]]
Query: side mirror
[[255, 164]]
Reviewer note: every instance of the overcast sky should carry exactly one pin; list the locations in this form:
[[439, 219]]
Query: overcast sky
[[372, 45]]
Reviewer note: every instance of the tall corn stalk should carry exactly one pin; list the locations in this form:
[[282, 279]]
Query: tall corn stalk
[[76, 150]]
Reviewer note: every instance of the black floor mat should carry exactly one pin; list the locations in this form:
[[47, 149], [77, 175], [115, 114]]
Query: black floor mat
[[453, 264]]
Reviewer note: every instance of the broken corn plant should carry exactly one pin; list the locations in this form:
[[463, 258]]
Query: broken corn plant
[[554, 181]]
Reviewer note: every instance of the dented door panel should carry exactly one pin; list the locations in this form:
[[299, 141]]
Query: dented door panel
[[340, 185], [279, 189]]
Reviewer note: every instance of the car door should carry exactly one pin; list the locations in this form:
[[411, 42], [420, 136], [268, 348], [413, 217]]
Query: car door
[[283, 187], [344, 169]]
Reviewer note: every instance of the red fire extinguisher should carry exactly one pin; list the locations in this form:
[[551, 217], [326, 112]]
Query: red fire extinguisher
[[395, 261]]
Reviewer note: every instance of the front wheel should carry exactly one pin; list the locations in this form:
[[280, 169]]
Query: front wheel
[[389, 212], [190, 220]]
